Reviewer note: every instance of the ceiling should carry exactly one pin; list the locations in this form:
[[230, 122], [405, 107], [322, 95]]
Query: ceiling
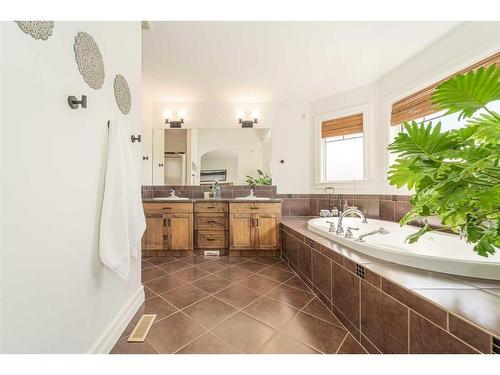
[[252, 62]]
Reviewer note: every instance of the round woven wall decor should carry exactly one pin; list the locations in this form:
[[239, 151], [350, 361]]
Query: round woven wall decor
[[37, 29], [89, 60], [122, 94]]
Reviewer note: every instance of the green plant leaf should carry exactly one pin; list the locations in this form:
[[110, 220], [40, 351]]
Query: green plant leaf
[[467, 93], [421, 140], [412, 238]]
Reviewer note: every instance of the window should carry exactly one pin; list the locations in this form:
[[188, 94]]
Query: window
[[343, 154], [419, 107]]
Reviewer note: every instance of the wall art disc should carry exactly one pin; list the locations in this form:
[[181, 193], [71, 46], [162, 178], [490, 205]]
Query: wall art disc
[[89, 60], [37, 29], [122, 94]]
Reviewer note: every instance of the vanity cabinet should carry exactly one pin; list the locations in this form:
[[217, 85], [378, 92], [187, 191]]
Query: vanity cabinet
[[169, 227], [233, 228], [254, 226], [211, 226]]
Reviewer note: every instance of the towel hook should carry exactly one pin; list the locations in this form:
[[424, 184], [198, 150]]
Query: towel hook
[[74, 102], [134, 138]]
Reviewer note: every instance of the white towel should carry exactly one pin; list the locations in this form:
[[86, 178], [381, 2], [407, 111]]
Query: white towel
[[122, 216]]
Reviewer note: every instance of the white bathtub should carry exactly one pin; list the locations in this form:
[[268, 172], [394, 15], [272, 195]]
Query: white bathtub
[[434, 251]]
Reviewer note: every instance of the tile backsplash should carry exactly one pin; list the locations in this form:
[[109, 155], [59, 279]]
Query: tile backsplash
[[385, 207]]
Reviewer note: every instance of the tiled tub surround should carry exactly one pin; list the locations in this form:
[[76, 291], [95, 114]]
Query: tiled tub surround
[[391, 308], [233, 305], [384, 207]]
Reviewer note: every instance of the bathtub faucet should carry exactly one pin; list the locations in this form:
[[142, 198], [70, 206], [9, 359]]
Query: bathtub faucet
[[378, 231], [350, 210]]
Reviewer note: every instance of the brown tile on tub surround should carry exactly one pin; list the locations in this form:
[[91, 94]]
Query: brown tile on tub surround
[[470, 334], [345, 292], [427, 338], [384, 321], [386, 210], [322, 274], [475, 305], [299, 207], [417, 303], [305, 260]]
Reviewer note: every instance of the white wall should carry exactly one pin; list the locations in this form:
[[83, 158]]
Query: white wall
[[461, 47], [290, 130], [56, 296]]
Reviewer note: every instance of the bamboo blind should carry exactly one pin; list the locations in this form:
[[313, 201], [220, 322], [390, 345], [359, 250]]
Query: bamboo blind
[[342, 126], [420, 103]]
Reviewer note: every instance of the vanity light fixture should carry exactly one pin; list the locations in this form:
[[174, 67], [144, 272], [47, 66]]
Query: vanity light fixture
[[247, 123], [174, 124]]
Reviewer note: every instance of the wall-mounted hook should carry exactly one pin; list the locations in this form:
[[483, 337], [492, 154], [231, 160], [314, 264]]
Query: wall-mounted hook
[[145, 158], [74, 102], [134, 138]]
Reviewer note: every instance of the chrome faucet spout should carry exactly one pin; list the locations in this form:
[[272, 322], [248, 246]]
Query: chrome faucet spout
[[350, 210]]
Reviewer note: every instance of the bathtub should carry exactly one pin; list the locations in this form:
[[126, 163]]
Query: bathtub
[[434, 251]]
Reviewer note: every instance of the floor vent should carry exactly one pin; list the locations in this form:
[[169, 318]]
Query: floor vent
[[211, 253], [142, 328], [495, 346], [360, 271]]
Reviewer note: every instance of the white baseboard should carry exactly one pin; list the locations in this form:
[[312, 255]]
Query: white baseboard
[[104, 344]]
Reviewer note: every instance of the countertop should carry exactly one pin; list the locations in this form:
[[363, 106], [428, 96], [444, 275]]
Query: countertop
[[212, 200]]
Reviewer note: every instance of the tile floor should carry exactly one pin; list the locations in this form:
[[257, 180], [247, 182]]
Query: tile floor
[[233, 305]]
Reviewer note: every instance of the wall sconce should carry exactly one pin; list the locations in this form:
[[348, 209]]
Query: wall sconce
[[174, 124], [247, 123]]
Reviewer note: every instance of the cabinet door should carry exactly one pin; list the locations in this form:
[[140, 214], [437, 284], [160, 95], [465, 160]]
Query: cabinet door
[[241, 232], [180, 231], [266, 231], [153, 235]]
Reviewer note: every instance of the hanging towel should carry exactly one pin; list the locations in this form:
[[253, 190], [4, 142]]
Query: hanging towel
[[122, 216]]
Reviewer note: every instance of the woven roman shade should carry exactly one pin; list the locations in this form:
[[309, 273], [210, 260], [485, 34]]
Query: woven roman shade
[[420, 103], [342, 126]]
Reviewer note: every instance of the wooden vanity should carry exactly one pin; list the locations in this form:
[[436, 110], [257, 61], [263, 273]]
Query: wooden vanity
[[234, 228]]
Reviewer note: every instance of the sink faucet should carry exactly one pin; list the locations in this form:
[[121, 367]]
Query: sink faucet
[[172, 193], [216, 189], [350, 210], [378, 231]]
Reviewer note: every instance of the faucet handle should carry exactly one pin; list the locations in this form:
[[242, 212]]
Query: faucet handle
[[332, 226], [348, 233]]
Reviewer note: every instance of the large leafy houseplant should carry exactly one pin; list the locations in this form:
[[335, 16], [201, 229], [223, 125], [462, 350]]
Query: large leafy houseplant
[[455, 174]]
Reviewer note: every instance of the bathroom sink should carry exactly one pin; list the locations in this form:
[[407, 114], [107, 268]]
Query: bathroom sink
[[253, 198], [172, 198]]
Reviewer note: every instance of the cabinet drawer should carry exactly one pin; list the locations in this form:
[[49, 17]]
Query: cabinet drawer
[[210, 221], [165, 207], [210, 207], [211, 239], [255, 208]]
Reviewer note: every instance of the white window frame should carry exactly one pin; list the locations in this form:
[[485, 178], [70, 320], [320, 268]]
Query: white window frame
[[319, 149]]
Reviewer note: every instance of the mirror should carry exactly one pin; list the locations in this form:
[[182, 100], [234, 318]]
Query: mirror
[[202, 156]]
